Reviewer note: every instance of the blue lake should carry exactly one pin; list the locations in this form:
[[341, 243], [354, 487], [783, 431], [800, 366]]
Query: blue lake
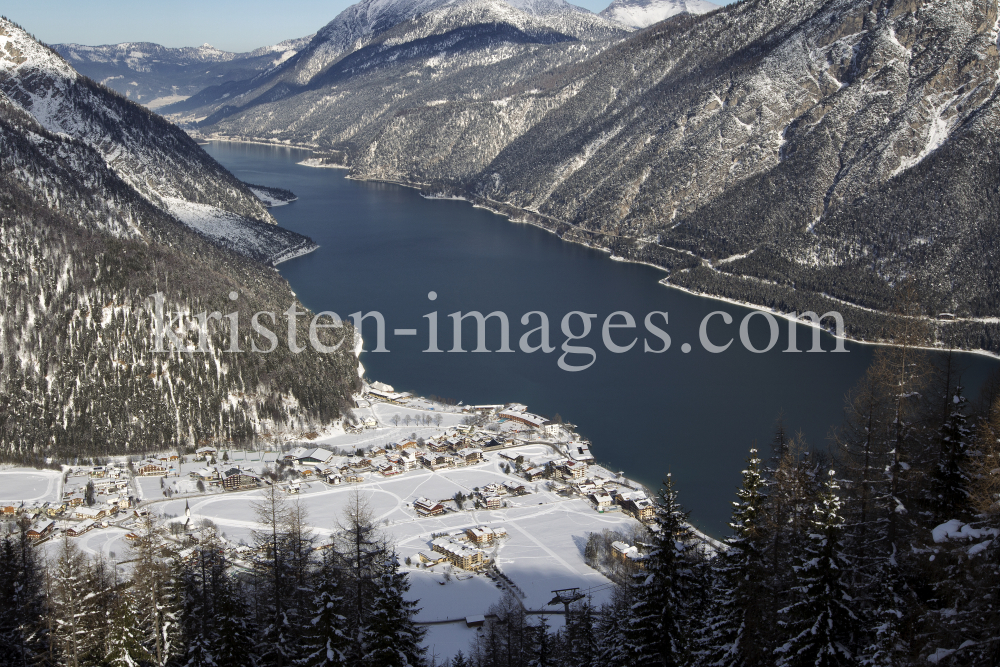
[[695, 415]]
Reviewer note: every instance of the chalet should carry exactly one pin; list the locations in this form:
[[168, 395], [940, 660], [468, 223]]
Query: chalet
[[437, 446], [426, 507], [579, 451], [9, 510], [477, 621], [354, 478], [470, 455], [81, 528], [408, 459], [637, 504], [205, 474], [150, 469], [235, 479], [313, 456], [459, 555], [493, 502], [624, 551], [205, 452], [433, 558], [538, 472], [514, 488], [334, 480], [41, 529], [435, 461], [390, 397], [92, 513]]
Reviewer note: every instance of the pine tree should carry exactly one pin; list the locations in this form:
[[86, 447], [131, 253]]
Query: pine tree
[[540, 653], [581, 641], [233, 623], [950, 476], [737, 627], [612, 648], [22, 603], [71, 607], [124, 646], [324, 642], [391, 638], [198, 614], [364, 549], [820, 625], [158, 591], [659, 621], [276, 643]]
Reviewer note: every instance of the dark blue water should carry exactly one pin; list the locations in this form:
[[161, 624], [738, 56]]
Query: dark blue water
[[384, 248]]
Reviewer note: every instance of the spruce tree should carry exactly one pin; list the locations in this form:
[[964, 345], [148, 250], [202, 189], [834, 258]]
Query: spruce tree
[[612, 649], [658, 627], [820, 625], [390, 638], [737, 626], [950, 475], [324, 642], [23, 639], [124, 646]]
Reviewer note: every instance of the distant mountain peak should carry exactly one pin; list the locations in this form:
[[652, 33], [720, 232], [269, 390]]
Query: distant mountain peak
[[644, 13]]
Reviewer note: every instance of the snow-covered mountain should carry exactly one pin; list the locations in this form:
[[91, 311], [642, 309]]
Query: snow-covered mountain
[[155, 75], [156, 159], [823, 149], [644, 13], [375, 24], [92, 187]]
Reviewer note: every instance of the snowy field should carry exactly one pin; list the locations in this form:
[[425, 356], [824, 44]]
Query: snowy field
[[544, 550], [29, 485]]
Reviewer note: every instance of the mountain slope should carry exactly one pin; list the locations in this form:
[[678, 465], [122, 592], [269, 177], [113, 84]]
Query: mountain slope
[[743, 150], [644, 13], [380, 24], [156, 75], [156, 158], [81, 253]]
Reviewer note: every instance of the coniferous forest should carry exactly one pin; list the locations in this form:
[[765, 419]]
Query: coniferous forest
[[878, 549]]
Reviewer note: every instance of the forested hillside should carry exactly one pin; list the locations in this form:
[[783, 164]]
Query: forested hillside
[[82, 252]]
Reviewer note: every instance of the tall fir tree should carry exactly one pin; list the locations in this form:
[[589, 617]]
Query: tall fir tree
[[390, 637], [23, 640], [325, 640], [125, 646], [738, 628], [820, 625], [659, 620]]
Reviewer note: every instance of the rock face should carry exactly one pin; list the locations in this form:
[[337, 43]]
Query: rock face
[[644, 13], [774, 151]]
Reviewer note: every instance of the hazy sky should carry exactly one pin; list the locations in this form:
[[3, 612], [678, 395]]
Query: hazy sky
[[225, 24]]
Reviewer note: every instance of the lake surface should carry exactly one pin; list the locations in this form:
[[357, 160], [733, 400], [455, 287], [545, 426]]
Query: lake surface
[[695, 415]]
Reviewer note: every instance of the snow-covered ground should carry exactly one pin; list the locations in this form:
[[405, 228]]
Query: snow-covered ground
[[544, 549], [644, 13], [29, 485], [269, 243]]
